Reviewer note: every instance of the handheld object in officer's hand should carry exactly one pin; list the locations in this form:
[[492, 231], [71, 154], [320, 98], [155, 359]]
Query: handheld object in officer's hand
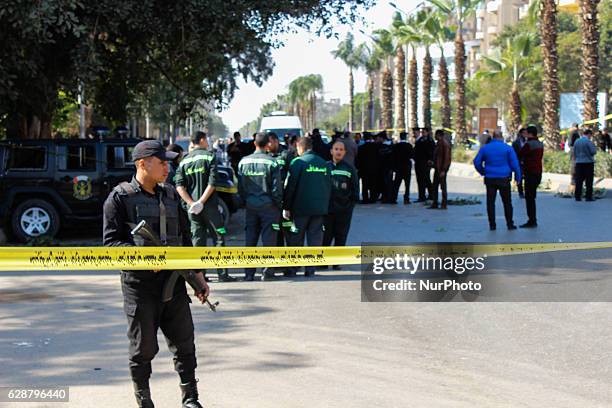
[[142, 229]]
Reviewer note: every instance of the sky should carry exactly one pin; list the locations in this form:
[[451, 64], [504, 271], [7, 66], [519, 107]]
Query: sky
[[304, 54]]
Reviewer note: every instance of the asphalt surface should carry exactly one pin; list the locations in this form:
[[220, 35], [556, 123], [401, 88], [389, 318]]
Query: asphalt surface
[[313, 343]]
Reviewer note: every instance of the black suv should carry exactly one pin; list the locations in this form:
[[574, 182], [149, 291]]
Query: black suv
[[47, 183]]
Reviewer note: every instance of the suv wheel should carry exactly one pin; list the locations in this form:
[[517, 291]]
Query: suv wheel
[[35, 218]]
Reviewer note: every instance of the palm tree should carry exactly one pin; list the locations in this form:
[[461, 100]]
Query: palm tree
[[545, 11], [352, 57], [385, 49], [435, 27], [313, 83], [400, 74], [371, 63], [590, 57], [407, 33], [427, 38], [511, 62], [459, 10]]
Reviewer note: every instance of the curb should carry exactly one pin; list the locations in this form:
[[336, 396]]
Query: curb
[[556, 180]]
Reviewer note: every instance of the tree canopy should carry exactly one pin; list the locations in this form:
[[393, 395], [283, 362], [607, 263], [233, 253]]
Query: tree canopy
[[120, 50]]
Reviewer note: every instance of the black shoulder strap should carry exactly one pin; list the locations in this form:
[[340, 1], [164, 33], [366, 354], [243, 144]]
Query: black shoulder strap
[[126, 188]]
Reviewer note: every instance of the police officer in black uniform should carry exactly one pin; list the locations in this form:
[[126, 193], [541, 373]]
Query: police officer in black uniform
[[146, 198], [423, 162], [366, 163], [260, 186], [403, 153]]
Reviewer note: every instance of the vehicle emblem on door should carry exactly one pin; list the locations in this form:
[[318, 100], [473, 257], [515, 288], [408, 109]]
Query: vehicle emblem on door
[[81, 187]]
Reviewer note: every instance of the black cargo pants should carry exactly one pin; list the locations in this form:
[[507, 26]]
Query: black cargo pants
[[146, 314], [265, 222]]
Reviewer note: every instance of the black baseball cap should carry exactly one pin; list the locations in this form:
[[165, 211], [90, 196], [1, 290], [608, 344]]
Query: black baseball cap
[[149, 148]]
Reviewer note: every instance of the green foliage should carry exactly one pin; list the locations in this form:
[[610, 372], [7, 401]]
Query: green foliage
[[603, 165], [484, 92], [66, 117], [462, 155], [120, 49], [556, 162]]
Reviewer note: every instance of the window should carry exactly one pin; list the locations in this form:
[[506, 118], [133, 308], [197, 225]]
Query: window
[[82, 158], [27, 158], [119, 157]]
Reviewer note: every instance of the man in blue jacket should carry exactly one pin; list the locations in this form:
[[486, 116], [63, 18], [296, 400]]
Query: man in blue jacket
[[496, 161]]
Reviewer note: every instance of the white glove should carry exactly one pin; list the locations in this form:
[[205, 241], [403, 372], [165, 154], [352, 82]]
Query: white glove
[[286, 214], [196, 208]]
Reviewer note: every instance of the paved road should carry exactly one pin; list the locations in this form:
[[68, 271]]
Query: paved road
[[298, 343]]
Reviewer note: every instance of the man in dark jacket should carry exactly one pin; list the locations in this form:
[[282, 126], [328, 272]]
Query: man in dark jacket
[[173, 164], [366, 163], [530, 156], [260, 186], [423, 161], [442, 162], [517, 145], [283, 157], [319, 147], [384, 169], [351, 148], [237, 150], [496, 161], [306, 198], [584, 151], [403, 153], [344, 195]]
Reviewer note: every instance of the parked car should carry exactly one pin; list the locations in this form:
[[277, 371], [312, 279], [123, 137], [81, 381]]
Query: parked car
[[45, 184]]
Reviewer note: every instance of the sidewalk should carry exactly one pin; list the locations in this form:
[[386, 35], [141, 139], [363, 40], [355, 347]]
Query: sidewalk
[[558, 181]]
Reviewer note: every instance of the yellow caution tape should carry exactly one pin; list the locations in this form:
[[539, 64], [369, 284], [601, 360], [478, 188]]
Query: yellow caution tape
[[172, 258], [588, 122]]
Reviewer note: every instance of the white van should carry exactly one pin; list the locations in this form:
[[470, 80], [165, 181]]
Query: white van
[[281, 123]]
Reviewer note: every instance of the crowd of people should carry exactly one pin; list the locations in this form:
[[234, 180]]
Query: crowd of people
[[302, 189]]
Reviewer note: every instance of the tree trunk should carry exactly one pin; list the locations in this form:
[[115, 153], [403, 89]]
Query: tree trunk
[[351, 100], [314, 109], [548, 27], [371, 122], [387, 98], [444, 94], [460, 125], [413, 84], [400, 90], [590, 57], [427, 80], [515, 107]]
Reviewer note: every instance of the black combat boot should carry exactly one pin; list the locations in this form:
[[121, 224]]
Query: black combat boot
[[224, 276], [190, 395], [143, 396]]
